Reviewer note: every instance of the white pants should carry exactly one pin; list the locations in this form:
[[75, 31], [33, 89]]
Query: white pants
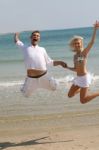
[[31, 84]]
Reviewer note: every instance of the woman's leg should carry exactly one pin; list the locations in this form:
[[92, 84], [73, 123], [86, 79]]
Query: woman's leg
[[73, 90], [84, 98]]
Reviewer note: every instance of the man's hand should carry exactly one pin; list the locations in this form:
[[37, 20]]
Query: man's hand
[[63, 64], [16, 37]]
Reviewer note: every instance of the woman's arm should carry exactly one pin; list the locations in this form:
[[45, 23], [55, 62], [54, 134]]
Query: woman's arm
[[87, 49], [71, 68]]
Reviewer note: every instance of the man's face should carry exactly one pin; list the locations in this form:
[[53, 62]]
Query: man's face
[[35, 38]]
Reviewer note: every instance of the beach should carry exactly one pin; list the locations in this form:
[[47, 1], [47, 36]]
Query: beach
[[48, 120], [80, 139], [51, 132]]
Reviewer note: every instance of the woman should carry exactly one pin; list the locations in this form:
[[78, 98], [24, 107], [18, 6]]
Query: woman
[[82, 81]]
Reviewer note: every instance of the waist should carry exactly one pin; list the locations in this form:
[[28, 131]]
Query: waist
[[81, 71], [34, 73]]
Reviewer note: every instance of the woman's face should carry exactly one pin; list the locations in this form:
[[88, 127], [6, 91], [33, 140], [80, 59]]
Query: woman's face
[[77, 45]]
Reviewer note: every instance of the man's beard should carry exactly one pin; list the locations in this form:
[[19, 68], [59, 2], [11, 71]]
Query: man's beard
[[34, 42]]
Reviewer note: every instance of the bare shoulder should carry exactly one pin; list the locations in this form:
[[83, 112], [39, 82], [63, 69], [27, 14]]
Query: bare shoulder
[[84, 52]]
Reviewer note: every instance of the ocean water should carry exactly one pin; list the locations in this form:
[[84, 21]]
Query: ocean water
[[43, 102]]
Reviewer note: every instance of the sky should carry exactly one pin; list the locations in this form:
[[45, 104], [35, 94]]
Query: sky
[[26, 15]]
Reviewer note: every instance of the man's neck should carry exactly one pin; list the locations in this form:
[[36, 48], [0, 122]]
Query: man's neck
[[34, 44]]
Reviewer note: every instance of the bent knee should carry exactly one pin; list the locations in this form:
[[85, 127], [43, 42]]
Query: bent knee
[[70, 95], [82, 101]]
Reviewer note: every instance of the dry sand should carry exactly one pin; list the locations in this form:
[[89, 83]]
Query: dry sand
[[68, 131]]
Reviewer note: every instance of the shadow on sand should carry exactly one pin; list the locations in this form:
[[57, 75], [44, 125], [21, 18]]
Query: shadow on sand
[[5, 145]]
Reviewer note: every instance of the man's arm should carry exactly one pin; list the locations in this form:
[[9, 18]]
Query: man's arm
[[61, 63], [17, 41], [16, 37]]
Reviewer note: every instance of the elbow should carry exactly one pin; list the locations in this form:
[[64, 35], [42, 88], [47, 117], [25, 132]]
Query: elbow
[[91, 43]]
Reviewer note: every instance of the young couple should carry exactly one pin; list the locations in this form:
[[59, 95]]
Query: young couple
[[36, 61]]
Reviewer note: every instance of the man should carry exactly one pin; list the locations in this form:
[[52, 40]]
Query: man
[[36, 61]]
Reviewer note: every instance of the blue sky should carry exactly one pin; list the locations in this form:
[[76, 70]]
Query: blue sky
[[20, 15]]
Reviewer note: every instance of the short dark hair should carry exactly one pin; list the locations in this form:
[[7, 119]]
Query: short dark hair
[[36, 31]]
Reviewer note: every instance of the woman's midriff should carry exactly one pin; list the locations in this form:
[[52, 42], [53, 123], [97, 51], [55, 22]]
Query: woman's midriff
[[81, 70], [35, 72]]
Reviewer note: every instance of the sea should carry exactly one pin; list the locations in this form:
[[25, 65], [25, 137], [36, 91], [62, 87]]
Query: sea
[[44, 104]]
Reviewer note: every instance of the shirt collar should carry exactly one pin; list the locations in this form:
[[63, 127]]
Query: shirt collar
[[34, 46]]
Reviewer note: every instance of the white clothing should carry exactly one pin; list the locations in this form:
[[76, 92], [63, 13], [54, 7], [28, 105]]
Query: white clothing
[[32, 84], [83, 81], [35, 57]]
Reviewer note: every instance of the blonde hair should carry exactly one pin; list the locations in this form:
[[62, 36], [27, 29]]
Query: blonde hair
[[75, 38]]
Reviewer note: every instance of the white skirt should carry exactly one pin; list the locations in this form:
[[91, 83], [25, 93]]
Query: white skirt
[[83, 81]]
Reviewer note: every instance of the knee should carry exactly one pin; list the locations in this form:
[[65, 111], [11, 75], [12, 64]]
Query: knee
[[70, 95], [82, 101]]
